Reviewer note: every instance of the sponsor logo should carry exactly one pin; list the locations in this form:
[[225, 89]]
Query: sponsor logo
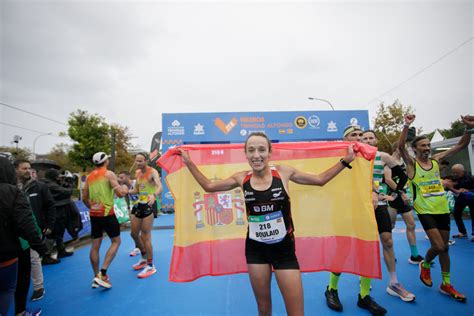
[[332, 127], [198, 129], [248, 193], [176, 128], [168, 195], [225, 127], [354, 121], [243, 132], [301, 122], [314, 121], [263, 208], [277, 194]]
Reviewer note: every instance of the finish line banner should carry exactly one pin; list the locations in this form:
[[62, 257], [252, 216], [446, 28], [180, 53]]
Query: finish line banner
[[335, 225], [234, 127]]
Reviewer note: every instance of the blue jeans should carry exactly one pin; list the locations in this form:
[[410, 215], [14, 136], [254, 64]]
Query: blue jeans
[[8, 276]]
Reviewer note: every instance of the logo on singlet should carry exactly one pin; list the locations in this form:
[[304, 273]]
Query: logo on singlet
[[263, 208]]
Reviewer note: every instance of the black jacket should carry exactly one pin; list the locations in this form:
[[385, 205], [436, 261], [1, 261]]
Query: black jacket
[[42, 203], [16, 217], [61, 195]]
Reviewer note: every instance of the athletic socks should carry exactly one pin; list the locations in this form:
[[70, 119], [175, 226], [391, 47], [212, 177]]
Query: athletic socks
[[426, 264], [149, 262], [446, 277], [333, 281], [103, 271], [393, 277], [414, 251], [364, 287]]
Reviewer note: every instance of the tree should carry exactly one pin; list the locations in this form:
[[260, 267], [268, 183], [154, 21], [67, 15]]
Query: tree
[[92, 134], [20, 153], [123, 159], [388, 123], [456, 130], [59, 153]]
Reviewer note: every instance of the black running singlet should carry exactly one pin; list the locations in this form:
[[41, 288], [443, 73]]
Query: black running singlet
[[268, 211]]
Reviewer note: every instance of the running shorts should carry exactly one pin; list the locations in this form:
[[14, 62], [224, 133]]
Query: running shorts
[[280, 255], [382, 216], [109, 224]]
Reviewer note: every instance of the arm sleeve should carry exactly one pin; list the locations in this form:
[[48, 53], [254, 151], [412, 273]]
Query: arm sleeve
[[25, 223], [397, 171], [48, 208]]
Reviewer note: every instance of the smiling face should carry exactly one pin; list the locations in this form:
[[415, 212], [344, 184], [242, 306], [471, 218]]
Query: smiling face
[[258, 152], [423, 148]]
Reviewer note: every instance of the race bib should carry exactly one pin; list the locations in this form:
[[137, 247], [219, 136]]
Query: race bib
[[269, 228], [431, 188], [143, 198]]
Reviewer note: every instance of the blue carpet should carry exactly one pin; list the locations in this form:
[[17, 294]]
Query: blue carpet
[[68, 290]]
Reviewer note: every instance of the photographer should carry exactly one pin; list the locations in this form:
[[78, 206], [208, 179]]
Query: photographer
[[62, 199]]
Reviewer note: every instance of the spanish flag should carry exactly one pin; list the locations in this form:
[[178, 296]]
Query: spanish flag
[[335, 225]]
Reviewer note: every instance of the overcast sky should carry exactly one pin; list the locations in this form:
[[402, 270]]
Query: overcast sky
[[132, 62]]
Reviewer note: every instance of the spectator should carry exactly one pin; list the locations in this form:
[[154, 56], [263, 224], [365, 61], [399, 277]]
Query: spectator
[[463, 190], [16, 220], [62, 199]]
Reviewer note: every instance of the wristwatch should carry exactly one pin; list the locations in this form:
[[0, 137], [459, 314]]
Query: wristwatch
[[345, 163]]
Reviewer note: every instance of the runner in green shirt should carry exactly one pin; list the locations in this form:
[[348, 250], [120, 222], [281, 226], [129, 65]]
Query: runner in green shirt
[[429, 199]]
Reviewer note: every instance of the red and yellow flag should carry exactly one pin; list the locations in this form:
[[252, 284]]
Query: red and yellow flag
[[335, 225]]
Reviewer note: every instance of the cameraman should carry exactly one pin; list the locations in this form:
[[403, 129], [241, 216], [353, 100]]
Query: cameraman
[[62, 199]]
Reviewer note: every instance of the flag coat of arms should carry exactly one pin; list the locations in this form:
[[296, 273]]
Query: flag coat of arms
[[335, 226]]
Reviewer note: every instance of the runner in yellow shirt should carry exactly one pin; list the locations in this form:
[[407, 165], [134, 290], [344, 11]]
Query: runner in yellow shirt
[[430, 202]]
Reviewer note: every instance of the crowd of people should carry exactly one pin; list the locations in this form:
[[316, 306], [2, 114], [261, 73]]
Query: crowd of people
[[35, 215]]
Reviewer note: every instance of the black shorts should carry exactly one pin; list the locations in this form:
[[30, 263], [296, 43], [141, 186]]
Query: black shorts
[[399, 205], [384, 224], [109, 224], [280, 255], [144, 210], [438, 221], [134, 209]]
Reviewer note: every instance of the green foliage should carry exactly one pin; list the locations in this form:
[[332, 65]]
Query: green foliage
[[456, 130], [21, 153], [388, 123], [59, 153], [123, 158], [90, 134]]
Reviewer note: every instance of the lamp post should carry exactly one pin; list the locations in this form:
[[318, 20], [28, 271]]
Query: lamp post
[[34, 143], [312, 98]]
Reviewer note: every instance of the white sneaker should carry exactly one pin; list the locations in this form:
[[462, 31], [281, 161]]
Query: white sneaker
[[94, 284], [398, 291], [140, 264], [134, 252], [147, 271]]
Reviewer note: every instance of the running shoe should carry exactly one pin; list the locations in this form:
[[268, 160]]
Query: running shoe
[[451, 242], [134, 252], [332, 299], [396, 289], [459, 235], [140, 264], [94, 284], [448, 289], [38, 294], [369, 304], [103, 280], [415, 260], [147, 271], [32, 312], [425, 275]]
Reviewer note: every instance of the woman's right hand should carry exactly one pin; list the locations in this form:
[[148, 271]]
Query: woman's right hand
[[185, 155]]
